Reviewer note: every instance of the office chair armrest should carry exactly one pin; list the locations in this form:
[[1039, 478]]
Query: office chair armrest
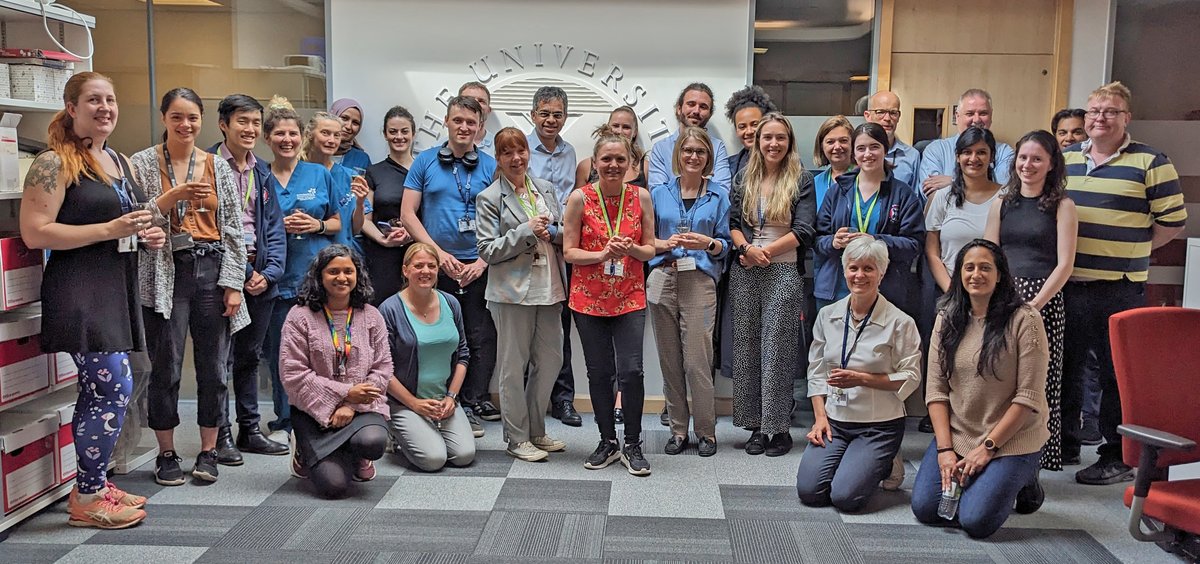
[[1156, 438]]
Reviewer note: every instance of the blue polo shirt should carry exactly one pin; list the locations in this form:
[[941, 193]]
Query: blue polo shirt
[[939, 159], [445, 200], [906, 163], [660, 161], [708, 216], [346, 202], [556, 167], [310, 189], [357, 160]]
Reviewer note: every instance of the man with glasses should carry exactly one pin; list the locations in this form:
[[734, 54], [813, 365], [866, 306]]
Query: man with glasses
[[1130, 202], [938, 160], [552, 158], [884, 108], [694, 107]]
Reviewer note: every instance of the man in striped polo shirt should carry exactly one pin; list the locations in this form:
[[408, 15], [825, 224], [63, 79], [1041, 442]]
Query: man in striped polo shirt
[[1129, 202]]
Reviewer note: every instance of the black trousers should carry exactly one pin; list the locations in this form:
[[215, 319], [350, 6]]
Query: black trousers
[[612, 350], [564, 386], [1089, 305], [481, 336], [243, 363]]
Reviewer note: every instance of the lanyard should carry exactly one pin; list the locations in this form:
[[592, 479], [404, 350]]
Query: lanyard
[[858, 334], [341, 351], [529, 206], [249, 187], [124, 192], [182, 204], [613, 228], [863, 222], [688, 216], [464, 190]]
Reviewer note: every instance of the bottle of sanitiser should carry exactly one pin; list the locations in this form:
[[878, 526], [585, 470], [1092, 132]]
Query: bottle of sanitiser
[[948, 506]]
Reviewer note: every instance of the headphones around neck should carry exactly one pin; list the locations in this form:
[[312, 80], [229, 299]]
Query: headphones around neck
[[470, 160]]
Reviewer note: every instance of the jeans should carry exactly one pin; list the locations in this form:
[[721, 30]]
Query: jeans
[[283, 410], [198, 306], [1089, 305], [612, 351], [988, 498], [481, 336], [846, 472], [243, 364]]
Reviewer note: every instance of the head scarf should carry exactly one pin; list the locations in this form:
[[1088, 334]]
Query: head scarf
[[342, 104]]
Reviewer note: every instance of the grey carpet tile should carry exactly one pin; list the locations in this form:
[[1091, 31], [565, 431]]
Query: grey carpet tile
[[654, 440], [1052, 546], [576, 496], [224, 555], [297, 492], [328, 528], [487, 464], [140, 482], [422, 558], [177, 525], [826, 542], [659, 538], [13, 552], [266, 527], [777, 503], [386, 530], [527, 536], [917, 544]]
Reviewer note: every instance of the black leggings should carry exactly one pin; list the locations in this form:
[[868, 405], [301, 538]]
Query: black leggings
[[333, 474]]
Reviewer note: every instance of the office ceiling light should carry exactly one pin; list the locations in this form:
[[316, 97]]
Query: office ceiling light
[[184, 3], [760, 50]]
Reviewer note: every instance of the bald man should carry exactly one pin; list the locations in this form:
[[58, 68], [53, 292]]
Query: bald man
[[884, 108]]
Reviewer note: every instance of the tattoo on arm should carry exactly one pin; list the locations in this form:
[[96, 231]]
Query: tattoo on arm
[[43, 173]]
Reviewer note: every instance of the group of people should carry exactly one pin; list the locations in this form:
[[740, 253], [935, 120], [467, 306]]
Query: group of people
[[386, 297]]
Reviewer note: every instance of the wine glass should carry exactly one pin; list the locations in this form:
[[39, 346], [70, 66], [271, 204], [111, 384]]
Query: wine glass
[[151, 207], [298, 236], [199, 207]]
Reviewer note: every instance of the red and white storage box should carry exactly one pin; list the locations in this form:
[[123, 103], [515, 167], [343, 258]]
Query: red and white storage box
[[23, 366], [20, 273], [66, 443], [62, 368], [27, 457]]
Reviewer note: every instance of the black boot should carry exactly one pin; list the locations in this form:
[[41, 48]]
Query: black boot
[[1030, 498], [227, 454], [251, 439]]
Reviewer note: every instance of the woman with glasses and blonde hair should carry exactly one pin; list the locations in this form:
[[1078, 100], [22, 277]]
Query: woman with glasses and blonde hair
[[771, 223]]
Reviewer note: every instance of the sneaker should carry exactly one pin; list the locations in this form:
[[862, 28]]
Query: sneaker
[[1030, 498], [281, 436], [607, 452], [1089, 434], [486, 411], [631, 457], [476, 425], [1105, 472], [780, 444], [708, 447], [619, 416], [298, 470], [756, 444], [125, 498], [166, 469], [548, 443], [526, 451], [206, 466], [893, 481], [365, 471], [1071, 459], [102, 511], [676, 444]]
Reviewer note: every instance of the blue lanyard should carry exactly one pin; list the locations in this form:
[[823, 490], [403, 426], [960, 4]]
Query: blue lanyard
[[858, 333], [464, 191], [122, 188], [685, 216]]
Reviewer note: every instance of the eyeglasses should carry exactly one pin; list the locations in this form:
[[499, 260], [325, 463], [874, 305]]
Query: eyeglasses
[[556, 115], [1108, 113], [694, 152], [880, 113]]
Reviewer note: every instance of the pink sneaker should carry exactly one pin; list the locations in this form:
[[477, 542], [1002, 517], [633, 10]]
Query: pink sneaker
[[365, 471]]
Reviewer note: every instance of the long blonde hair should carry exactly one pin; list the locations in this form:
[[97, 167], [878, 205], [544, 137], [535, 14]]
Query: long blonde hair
[[73, 152], [309, 132], [779, 204]]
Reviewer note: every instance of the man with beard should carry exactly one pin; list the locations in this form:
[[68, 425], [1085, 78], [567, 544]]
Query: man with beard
[[694, 107]]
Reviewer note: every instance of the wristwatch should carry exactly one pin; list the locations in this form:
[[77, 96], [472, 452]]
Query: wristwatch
[[743, 248], [712, 245], [452, 395], [990, 445]]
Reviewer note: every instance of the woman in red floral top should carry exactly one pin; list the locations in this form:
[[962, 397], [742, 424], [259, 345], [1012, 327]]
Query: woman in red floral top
[[609, 235]]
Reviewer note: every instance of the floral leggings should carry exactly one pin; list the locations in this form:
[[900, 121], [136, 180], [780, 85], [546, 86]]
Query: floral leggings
[[105, 387]]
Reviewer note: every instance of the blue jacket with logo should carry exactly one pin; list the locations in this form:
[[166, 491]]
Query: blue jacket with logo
[[270, 242]]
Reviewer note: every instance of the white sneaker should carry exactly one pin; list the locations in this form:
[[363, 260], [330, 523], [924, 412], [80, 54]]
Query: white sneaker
[[281, 436], [893, 481], [548, 443], [526, 451]]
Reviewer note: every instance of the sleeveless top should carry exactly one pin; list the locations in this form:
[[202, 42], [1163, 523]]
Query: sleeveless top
[[592, 291], [1029, 237], [639, 180], [90, 294]]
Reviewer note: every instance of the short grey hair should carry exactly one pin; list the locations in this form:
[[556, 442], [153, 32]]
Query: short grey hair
[[868, 248], [548, 93], [976, 93]]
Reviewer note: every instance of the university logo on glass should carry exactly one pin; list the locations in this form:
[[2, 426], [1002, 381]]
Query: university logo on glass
[[513, 74]]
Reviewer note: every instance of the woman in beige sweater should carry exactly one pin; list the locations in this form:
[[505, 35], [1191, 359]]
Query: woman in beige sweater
[[986, 394]]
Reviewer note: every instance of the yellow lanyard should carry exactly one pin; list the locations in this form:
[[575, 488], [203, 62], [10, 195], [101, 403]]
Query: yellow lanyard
[[529, 206], [863, 223], [613, 229]]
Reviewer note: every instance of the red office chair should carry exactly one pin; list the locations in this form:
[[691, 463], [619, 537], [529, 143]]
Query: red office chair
[[1156, 354]]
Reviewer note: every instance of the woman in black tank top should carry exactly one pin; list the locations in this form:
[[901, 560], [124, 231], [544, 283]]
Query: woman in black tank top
[[1036, 225], [623, 121]]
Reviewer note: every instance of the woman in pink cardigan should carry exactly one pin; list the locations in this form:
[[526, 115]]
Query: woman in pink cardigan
[[335, 364]]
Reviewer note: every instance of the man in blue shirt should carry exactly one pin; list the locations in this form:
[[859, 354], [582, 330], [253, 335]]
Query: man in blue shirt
[[884, 108], [938, 160], [438, 208], [552, 158], [694, 107]]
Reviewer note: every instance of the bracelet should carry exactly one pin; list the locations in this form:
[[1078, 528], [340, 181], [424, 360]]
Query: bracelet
[[452, 395], [947, 449]]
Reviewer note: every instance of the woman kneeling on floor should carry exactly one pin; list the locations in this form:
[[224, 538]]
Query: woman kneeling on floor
[[334, 365], [865, 359], [429, 345]]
